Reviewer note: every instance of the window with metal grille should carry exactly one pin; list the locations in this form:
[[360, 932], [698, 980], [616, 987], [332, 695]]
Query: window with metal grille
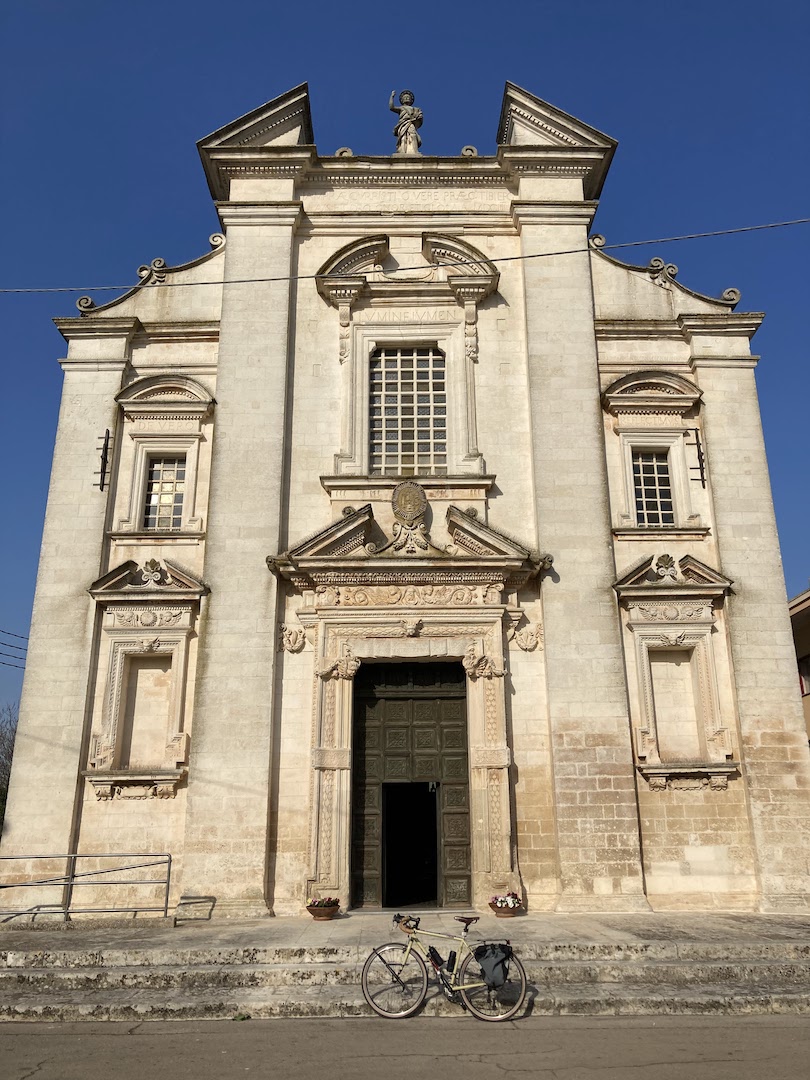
[[165, 486], [407, 412], [653, 488]]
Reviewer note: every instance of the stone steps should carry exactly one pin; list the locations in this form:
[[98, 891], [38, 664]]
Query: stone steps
[[594, 979], [140, 1005], [540, 973]]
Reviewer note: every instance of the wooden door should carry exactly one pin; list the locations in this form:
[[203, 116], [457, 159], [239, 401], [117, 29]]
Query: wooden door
[[410, 727]]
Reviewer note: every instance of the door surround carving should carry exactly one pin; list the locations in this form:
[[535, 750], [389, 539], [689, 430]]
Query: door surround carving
[[343, 640]]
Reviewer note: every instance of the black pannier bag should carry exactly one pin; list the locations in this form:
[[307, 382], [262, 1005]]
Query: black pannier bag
[[494, 960]]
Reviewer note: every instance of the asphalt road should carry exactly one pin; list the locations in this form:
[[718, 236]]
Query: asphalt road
[[557, 1048]]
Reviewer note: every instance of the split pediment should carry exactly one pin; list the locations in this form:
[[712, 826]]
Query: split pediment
[[526, 120], [153, 580], [356, 549], [284, 121]]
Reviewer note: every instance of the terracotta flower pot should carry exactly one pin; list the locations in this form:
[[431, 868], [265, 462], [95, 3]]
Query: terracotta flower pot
[[322, 914], [505, 912]]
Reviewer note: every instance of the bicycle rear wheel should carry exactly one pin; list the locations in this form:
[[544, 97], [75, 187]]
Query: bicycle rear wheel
[[394, 986], [498, 1003]]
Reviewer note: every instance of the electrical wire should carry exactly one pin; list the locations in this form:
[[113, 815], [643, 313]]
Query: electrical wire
[[400, 269], [8, 633]]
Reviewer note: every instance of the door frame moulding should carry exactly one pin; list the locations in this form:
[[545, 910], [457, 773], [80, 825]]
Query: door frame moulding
[[343, 641]]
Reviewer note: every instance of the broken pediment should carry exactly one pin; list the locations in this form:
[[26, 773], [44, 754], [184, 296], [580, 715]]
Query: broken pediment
[[153, 579], [526, 120], [663, 574], [345, 551], [284, 121]]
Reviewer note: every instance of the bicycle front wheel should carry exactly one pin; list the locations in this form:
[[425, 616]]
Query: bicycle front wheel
[[498, 1003], [393, 985]]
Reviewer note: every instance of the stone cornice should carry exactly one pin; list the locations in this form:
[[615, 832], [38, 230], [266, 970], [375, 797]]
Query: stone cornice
[[637, 329], [84, 327], [722, 324]]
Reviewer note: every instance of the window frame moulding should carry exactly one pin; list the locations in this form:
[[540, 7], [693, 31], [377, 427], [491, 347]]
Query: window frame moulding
[[669, 605], [161, 414]]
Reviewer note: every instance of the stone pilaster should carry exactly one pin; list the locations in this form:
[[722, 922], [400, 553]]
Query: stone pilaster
[[41, 815], [230, 767], [595, 798], [776, 761]]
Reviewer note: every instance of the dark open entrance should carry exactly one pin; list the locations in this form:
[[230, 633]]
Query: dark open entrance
[[410, 869], [410, 787]]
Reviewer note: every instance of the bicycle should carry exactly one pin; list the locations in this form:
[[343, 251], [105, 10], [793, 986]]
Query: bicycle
[[487, 980]]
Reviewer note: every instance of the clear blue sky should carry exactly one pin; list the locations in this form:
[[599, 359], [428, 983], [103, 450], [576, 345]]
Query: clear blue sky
[[103, 103]]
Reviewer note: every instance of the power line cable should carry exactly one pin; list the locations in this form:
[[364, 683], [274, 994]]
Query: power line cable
[[20, 666], [400, 269], [11, 656], [11, 645], [8, 633]]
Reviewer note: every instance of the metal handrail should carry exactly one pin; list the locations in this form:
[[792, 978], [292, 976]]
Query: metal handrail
[[70, 881]]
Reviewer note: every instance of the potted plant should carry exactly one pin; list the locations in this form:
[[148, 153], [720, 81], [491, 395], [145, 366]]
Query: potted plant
[[507, 906], [323, 909]]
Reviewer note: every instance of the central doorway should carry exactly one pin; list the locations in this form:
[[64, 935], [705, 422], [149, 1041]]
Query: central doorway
[[410, 787]]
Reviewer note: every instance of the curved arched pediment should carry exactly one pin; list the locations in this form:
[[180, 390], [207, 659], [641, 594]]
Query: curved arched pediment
[[359, 257], [456, 256], [165, 396], [159, 389], [651, 391]]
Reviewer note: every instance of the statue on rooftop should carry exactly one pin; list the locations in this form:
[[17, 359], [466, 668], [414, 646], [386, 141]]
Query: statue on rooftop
[[410, 119]]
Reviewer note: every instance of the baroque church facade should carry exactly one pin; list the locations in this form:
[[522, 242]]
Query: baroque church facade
[[429, 555]]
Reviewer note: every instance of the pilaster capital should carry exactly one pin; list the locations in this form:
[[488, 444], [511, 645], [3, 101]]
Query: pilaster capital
[[552, 213], [284, 214]]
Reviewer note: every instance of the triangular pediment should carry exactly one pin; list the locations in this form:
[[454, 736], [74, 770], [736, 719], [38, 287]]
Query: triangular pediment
[[665, 573], [284, 121], [472, 537], [526, 120], [345, 537], [152, 579]]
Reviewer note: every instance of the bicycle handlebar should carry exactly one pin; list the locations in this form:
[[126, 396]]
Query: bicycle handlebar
[[406, 923]]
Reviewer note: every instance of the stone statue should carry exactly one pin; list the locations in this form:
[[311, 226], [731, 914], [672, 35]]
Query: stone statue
[[410, 118]]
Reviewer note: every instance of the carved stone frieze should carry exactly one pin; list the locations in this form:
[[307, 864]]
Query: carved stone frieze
[[490, 757], [342, 667], [134, 785], [291, 638], [529, 638], [480, 666], [331, 757], [670, 611], [430, 596], [147, 617], [698, 776]]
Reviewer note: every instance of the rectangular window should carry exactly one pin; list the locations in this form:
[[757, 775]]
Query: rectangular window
[[652, 488], [407, 412], [165, 486]]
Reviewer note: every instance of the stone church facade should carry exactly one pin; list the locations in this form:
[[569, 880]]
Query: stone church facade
[[430, 553]]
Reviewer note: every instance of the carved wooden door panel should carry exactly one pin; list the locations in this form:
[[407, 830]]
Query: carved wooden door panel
[[410, 727]]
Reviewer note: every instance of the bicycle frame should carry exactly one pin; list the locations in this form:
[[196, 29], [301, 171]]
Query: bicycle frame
[[450, 978]]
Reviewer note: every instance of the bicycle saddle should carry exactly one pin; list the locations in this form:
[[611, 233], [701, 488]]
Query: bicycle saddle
[[468, 920]]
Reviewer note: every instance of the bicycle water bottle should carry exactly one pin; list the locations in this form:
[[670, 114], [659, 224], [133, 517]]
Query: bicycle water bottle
[[435, 957]]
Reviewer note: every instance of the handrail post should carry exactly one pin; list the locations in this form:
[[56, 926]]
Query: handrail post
[[70, 875], [168, 883]]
